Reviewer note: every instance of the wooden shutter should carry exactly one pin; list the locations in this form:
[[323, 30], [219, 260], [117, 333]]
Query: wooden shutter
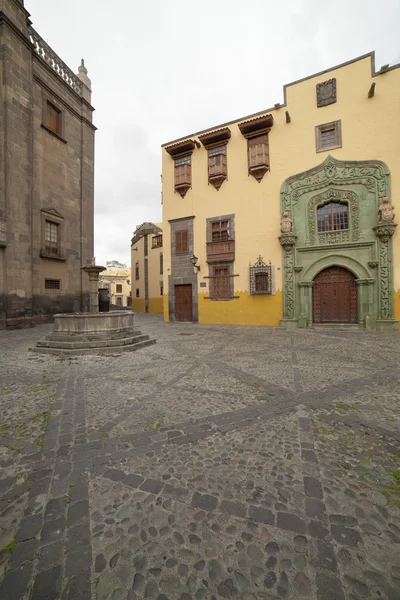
[[258, 150], [181, 241]]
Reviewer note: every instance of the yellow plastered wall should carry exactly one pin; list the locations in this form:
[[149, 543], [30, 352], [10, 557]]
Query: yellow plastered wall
[[370, 131], [155, 296], [154, 277], [138, 303]]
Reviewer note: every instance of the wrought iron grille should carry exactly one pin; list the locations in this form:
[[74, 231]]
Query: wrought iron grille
[[260, 275]]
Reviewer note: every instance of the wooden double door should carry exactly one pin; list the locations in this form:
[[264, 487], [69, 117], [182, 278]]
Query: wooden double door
[[183, 303], [335, 296]]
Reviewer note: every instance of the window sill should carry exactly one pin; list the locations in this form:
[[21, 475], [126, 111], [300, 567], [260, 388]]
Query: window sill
[[221, 299], [53, 133], [330, 148], [44, 254]]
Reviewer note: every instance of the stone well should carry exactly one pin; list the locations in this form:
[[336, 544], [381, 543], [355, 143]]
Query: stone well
[[94, 332]]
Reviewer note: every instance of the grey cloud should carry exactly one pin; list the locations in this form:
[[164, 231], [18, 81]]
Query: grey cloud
[[162, 69]]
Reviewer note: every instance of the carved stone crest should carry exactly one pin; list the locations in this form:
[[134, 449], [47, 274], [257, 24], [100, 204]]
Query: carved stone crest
[[286, 223], [386, 211], [326, 92]]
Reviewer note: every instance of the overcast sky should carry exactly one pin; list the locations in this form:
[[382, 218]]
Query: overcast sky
[[162, 69]]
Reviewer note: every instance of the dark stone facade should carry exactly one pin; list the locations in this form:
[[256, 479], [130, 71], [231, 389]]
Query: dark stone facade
[[182, 272], [42, 173]]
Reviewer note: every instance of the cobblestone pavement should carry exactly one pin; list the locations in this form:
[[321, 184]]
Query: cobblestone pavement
[[223, 462]]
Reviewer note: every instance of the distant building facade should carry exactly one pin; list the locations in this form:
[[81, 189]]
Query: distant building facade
[[147, 265], [118, 283], [288, 216], [115, 265], [46, 176]]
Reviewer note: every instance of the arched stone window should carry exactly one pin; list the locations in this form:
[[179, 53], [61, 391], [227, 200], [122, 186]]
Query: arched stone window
[[332, 217]]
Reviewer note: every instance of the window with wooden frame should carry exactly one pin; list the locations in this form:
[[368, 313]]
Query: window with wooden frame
[[220, 231], [181, 241], [256, 132], [137, 293], [157, 241], [181, 153], [332, 217], [161, 288], [52, 238], [183, 174], [119, 300], [215, 143], [119, 288], [221, 282], [161, 264], [53, 118], [328, 136], [137, 270]]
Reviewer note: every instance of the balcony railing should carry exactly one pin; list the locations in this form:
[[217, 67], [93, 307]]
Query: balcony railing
[[224, 250]]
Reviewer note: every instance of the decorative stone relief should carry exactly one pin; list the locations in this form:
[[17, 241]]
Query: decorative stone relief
[[386, 210], [326, 92], [286, 223], [333, 237], [336, 180], [371, 174], [288, 241]]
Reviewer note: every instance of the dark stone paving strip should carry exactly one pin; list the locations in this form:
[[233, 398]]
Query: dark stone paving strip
[[297, 379], [323, 555], [56, 520]]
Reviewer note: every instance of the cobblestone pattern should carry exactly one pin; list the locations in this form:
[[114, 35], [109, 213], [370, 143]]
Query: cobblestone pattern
[[224, 462]]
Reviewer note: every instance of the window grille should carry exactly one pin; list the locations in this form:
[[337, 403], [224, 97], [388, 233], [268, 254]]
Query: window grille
[[260, 275], [52, 284]]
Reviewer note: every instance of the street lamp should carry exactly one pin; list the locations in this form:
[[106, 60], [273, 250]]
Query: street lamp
[[193, 260]]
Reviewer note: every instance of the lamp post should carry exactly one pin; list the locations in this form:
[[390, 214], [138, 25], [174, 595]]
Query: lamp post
[[193, 260]]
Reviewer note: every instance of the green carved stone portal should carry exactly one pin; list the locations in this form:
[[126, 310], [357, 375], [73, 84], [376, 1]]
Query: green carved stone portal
[[364, 247]]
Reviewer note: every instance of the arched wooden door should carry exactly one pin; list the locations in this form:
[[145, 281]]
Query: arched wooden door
[[335, 296]]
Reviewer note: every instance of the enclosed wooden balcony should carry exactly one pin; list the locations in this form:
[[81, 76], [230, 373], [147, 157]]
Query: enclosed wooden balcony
[[221, 250]]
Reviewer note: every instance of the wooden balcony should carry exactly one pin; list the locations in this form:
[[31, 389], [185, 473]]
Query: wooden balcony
[[224, 250]]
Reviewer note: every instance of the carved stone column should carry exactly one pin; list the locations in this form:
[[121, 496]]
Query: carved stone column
[[93, 271], [305, 303], [385, 320], [287, 241], [365, 302]]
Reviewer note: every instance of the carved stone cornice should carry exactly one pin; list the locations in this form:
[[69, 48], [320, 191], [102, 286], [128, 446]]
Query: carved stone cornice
[[298, 269], [287, 241], [306, 283], [368, 281], [385, 231]]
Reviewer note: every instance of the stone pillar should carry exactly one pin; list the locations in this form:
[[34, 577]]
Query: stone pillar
[[86, 83], [305, 303], [287, 241], [93, 271], [385, 322]]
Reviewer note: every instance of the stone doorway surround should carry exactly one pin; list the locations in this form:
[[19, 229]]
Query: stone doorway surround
[[365, 248]]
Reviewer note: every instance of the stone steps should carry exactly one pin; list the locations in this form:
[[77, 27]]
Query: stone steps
[[95, 350], [116, 335], [94, 343]]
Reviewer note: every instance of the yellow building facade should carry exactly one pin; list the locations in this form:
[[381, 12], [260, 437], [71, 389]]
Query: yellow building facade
[[287, 216], [147, 268], [118, 283]]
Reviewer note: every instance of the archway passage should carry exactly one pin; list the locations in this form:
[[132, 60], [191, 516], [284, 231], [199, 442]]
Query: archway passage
[[335, 296]]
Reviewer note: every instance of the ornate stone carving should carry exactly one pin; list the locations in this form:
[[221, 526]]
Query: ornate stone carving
[[286, 223], [287, 240], [386, 210], [333, 237], [371, 174], [336, 175], [384, 233], [326, 92]]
